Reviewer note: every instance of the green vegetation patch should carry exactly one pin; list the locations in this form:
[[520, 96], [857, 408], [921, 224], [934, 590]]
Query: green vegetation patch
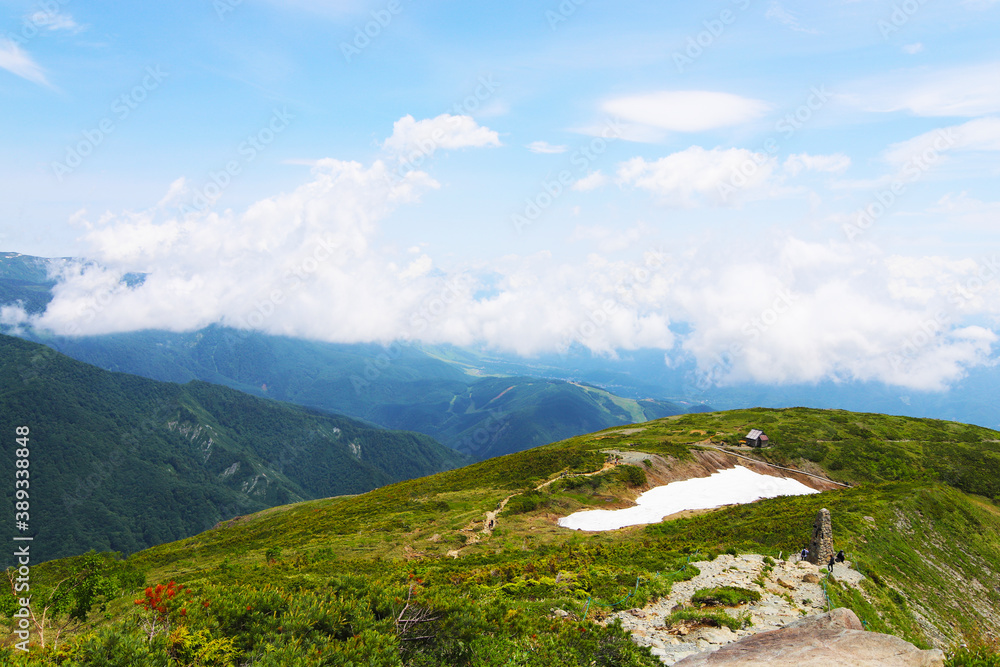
[[702, 617], [724, 596]]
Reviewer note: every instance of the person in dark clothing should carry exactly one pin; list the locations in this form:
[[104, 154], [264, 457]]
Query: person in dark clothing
[[830, 564], [840, 556], [804, 555]]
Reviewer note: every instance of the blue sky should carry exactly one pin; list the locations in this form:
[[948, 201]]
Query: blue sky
[[742, 142]]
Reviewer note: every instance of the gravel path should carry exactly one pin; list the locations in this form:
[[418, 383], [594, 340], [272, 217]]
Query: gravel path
[[785, 597]]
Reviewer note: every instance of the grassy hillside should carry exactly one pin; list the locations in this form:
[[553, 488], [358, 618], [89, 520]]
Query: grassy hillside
[[121, 463], [370, 579]]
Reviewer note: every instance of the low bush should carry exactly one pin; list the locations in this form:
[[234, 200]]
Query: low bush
[[715, 619], [724, 596]]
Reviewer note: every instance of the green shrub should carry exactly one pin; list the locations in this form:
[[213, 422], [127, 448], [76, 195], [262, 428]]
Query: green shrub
[[724, 596], [527, 502], [632, 475], [973, 657], [713, 618]]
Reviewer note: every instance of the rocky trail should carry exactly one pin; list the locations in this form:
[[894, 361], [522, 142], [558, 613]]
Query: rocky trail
[[791, 591]]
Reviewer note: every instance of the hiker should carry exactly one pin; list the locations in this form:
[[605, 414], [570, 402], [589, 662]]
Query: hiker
[[804, 555], [840, 556], [830, 564]]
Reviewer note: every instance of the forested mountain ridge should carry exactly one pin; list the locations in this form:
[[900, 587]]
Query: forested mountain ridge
[[119, 462], [396, 386]]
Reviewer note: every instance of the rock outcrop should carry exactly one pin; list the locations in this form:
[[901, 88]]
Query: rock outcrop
[[778, 605], [834, 638], [821, 544]]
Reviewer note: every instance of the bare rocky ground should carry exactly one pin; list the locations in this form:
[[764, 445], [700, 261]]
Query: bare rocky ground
[[791, 591]]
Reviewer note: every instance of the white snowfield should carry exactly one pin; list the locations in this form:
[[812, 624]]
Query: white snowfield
[[727, 487]]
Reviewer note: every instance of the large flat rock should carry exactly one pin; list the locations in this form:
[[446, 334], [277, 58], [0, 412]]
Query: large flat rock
[[834, 638]]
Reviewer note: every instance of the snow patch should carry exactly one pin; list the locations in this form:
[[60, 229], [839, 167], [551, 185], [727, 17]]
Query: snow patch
[[726, 487]]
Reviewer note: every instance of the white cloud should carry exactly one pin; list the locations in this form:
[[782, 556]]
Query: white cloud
[[618, 129], [686, 110], [807, 312], [309, 263], [16, 61], [424, 137], [798, 162], [778, 13], [970, 90], [913, 49], [545, 147], [697, 176], [591, 181], [610, 239], [55, 21], [982, 134], [964, 210]]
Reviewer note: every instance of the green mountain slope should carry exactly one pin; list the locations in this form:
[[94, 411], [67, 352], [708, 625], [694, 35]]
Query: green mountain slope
[[24, 279], [121, 462], [413, 573], [398, 387]]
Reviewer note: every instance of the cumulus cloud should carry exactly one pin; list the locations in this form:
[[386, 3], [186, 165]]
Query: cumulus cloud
[[686, 110], [309, 263], [446, 131], [694, 176], [15, 60], [819, 312]]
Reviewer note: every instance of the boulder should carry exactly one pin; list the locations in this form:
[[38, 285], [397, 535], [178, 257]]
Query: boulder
[[811, 578], [834, 638]]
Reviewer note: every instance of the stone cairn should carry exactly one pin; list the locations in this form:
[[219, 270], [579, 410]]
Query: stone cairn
[[821, 545]]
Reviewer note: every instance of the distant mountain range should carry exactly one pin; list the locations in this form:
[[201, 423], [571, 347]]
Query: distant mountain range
[[396, 387], [119, 462]]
